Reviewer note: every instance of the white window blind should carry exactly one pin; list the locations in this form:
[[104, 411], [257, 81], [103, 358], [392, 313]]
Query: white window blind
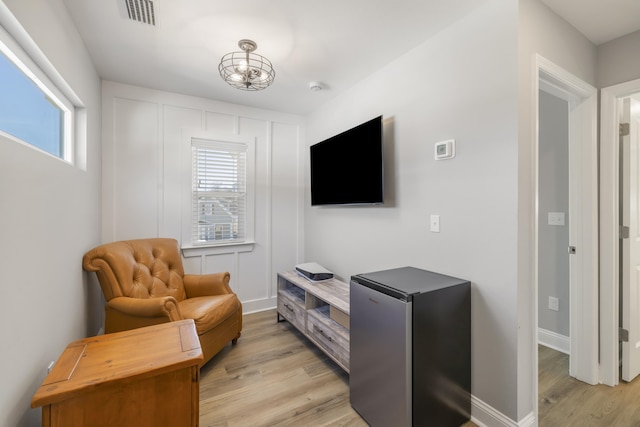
[[219, 192]]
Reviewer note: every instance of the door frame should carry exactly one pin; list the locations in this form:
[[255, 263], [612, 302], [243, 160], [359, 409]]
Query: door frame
[[583, 177], [609, 229]]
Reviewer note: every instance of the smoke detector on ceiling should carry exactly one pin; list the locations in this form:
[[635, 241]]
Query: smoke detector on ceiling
[[142, 11], [315, 86]]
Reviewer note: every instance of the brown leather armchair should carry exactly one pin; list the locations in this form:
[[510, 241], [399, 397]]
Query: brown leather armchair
[[144, 284]]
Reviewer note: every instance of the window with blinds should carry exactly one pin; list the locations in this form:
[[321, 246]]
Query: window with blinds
[[219, 192]]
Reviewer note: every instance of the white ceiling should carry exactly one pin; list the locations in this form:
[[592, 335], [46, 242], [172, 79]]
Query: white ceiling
[[335, 42]]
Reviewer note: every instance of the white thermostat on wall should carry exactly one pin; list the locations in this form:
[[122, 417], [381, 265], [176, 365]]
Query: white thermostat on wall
[[445, 149]]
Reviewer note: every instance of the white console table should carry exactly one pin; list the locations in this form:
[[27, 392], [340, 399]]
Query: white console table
[[320, 310]]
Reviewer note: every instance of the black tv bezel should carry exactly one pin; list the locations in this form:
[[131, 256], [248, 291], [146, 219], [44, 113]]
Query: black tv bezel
[[344, 137]]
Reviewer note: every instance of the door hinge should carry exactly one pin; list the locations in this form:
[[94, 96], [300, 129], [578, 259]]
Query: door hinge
[[623, 335], [624, 129], [624, 232], [572, 250]]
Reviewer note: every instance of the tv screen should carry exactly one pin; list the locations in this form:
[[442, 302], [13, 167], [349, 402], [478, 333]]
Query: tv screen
[[347, 169]]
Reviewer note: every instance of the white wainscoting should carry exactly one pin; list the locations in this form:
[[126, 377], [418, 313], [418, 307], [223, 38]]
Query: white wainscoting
[[144, 171]]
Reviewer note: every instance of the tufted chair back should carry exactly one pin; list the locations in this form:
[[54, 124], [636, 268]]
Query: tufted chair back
[[144, 268]]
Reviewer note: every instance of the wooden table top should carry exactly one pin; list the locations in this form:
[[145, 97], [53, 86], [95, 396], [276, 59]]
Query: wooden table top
[[123, 356]]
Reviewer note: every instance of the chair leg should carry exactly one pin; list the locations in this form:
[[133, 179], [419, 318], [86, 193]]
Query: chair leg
[[235, 340]]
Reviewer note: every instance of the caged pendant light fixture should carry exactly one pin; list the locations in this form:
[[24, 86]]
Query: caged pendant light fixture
[[246, 70]]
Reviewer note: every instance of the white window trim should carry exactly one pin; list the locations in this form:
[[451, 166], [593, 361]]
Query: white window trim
[[246, 245], [16, 54], [218, 249]]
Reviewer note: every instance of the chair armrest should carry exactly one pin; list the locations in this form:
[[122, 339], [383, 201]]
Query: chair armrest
[[149, 307], [199, 285]]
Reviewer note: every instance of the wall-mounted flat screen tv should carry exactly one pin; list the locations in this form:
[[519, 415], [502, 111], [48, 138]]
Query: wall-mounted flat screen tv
[[347, 169]]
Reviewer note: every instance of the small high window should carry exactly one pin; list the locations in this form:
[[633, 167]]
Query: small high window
[[32, 109]]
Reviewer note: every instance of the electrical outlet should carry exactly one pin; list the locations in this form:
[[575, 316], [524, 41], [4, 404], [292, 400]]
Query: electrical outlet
[[555, 218], [554, 303]]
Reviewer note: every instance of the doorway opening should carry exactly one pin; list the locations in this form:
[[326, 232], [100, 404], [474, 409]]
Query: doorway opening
[[581, 219], [619, 303], [553, 220]]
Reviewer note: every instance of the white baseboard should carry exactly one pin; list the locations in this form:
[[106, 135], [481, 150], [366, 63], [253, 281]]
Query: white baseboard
[[528, 421], [486, 416], [259, 305], [554, 340]]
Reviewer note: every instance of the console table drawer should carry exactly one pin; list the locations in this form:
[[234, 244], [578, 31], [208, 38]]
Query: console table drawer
[[329, 335], [291, 310]]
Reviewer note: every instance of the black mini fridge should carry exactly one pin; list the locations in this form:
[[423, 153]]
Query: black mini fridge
[[410, 348]]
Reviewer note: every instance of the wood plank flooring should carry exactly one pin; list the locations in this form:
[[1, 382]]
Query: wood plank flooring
[[565, 401], [274, 377]]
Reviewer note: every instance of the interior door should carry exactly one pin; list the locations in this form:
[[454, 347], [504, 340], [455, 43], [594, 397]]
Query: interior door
[[630, 250]]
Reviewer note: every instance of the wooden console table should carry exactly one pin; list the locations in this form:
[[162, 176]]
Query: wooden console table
[[142, 377], [320, 310]]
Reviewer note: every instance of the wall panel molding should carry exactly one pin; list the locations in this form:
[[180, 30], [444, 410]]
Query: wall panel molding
[[145, 172]]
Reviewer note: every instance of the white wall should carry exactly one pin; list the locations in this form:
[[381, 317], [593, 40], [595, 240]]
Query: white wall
[[540, 31], [618, 61], [145, 167], [49, 216], [460, 84]]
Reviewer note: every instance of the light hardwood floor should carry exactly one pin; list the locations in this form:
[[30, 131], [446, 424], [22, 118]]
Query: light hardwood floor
[[565, 401], [274, 377]]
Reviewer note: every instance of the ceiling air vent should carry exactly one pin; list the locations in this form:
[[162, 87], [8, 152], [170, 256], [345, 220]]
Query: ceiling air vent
[[141, 11]]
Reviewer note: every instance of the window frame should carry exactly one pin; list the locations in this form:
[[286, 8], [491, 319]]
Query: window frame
[[191, 248], [16, 54]]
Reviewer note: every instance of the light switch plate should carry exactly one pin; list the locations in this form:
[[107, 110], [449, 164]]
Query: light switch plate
[[445, 149], [435, 223]]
